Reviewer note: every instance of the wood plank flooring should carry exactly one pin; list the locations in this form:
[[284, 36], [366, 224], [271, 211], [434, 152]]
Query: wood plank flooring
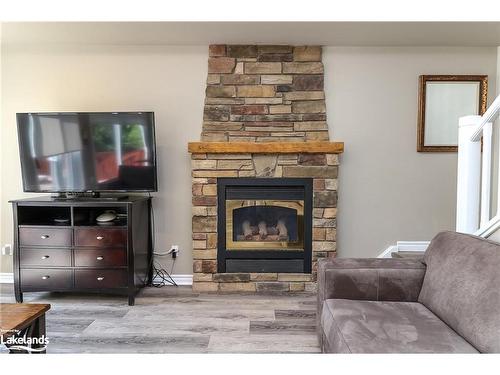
[[176, 320]]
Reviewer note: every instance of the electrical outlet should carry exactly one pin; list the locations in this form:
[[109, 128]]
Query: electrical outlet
[[174, 250], [7, 249]]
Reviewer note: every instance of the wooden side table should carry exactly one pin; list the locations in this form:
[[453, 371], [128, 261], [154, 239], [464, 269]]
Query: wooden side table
[[23, 320]]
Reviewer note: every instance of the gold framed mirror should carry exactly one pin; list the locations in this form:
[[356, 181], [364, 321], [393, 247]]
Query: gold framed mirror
[[442, 100]]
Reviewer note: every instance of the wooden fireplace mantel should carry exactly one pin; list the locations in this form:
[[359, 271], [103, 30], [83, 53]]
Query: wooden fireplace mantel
[[266, 147]]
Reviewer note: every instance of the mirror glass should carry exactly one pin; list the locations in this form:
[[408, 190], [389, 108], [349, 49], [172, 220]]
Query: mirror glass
[[446, 102]]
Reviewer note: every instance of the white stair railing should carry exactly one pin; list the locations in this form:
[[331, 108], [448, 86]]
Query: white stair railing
[[474, 174], [489, 116]]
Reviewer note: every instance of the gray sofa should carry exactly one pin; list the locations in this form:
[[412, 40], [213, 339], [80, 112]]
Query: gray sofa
[[449, 302]]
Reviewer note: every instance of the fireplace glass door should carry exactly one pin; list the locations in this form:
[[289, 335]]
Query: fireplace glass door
[[265, 224]]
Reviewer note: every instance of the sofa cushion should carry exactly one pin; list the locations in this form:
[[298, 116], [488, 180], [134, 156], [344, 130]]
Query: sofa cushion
[[462, 287], [386, 327]]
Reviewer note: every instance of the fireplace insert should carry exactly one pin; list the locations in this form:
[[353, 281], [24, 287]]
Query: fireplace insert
[[264, 225]]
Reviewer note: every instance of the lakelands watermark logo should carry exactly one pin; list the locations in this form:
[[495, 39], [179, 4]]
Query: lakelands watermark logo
[[24, 343]]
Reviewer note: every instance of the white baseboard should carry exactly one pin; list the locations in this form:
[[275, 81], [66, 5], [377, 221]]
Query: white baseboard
[[404, 246], [8, 278], [183, 279], [387, 252]]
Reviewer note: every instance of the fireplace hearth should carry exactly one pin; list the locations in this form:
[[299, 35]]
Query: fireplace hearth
[[265, 225]]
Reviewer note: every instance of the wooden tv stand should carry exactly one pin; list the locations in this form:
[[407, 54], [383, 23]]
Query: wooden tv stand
[[59, 246]]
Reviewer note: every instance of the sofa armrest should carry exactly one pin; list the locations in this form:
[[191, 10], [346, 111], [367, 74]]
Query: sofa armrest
[[370, 279]]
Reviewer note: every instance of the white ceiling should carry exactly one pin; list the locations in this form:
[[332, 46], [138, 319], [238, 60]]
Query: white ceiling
[[202, 33]]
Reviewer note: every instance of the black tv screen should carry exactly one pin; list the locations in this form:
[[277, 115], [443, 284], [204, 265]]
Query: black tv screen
[[87, 152]]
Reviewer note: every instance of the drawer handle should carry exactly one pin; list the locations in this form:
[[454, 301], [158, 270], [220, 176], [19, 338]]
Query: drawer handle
[[100, 258], [44, 236], [45, 277], [99, 237], [45, 257], [100, 278]]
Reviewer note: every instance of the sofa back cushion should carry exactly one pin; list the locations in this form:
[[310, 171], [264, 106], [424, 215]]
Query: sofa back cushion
[[462, 287]]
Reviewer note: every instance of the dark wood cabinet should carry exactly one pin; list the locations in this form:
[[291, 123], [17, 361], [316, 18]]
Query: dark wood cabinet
[[59, 246]]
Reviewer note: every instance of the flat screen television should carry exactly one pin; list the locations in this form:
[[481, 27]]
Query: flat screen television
[[87, 152]]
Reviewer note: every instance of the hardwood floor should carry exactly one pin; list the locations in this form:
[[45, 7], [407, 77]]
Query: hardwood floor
[[176, 320]]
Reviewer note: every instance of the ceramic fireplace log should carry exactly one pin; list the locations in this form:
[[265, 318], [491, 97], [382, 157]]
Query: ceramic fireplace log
[[282, 231], [247, 230], [256, 238], [262, 232], [262, 229]]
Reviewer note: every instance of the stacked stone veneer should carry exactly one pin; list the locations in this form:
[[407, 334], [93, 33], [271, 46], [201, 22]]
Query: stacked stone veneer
[[262, 94]]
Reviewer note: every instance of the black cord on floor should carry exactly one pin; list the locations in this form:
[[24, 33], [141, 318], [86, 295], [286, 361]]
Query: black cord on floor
[[161, 277]]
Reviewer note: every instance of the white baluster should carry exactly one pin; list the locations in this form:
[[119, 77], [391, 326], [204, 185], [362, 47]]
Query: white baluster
[[486, 174], [468, 176]]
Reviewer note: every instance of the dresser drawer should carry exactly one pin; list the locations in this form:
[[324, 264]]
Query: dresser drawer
[[46, 279], [100, 279], [44, 237], [39, 257], [97, 237], [100, 257]]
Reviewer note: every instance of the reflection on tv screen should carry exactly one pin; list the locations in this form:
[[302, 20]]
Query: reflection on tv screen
[[87, 151]]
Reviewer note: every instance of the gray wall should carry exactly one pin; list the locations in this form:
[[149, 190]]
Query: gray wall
[[387, 192], [167, 80]]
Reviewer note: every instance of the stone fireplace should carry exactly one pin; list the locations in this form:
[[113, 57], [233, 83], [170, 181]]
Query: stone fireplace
[[264, 176]]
